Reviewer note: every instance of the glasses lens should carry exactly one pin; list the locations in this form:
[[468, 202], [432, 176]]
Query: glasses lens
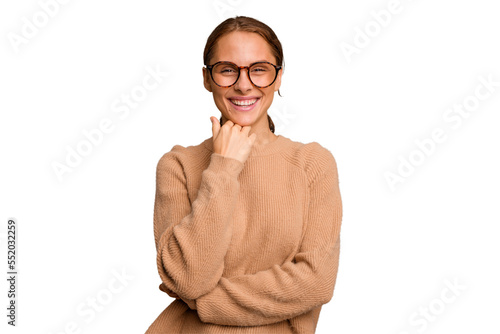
[[225, 74], [262, 74]]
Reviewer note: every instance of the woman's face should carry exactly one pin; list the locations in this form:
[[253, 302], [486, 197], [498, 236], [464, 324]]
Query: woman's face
[[243, 49]]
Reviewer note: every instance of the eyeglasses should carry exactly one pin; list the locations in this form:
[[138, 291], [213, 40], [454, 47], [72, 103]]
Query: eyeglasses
[[225, 74]]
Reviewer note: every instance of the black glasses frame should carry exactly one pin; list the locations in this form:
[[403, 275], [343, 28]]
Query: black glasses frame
[[277, 68]]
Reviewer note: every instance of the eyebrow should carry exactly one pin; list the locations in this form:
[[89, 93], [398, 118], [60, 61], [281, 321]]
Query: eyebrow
[[257, 61]]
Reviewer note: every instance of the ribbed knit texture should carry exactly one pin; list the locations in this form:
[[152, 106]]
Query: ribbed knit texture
[[249, 247]]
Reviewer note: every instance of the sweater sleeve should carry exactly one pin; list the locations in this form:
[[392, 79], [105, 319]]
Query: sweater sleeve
[[295, 287], [192, 238]]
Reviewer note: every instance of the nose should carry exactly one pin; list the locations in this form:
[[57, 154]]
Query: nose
[[243, 84]]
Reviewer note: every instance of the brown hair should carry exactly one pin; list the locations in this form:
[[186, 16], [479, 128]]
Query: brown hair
[[248, 24]]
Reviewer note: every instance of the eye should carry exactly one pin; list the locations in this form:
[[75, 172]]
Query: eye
[[261, 68], [226, 70]]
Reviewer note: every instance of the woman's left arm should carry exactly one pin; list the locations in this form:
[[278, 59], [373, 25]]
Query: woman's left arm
[[298, 286]]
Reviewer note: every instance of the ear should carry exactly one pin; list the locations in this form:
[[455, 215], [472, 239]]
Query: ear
[[277, 83], [206, 80]]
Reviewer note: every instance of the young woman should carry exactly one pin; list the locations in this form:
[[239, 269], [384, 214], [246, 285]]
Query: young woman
[[247, 223]]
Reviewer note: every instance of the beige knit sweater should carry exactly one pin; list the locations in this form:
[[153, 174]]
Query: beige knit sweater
[[249, 247]]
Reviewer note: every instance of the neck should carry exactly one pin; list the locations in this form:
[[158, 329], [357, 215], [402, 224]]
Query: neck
[[261, 129], [264, 136]]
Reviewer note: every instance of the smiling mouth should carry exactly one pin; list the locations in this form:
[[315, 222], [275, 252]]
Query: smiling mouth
[[244, 102]]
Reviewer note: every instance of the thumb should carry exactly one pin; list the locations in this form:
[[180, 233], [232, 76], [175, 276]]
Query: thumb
[[215, 126]]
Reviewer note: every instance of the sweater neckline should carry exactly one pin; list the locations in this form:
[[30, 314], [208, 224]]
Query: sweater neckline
[[257, 150]]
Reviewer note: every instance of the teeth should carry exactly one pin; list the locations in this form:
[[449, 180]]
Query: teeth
[[244, 102]]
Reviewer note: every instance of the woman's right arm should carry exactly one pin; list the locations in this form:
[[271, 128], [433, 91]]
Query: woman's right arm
[[192, 238]]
